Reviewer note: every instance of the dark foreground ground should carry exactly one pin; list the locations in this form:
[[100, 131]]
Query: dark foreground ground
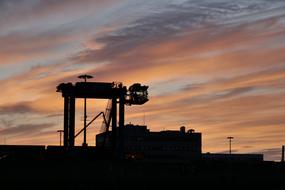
[[31, 167], [139, 175]]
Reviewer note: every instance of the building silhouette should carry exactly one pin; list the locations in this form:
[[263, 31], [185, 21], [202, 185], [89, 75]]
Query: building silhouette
[[140, 143]]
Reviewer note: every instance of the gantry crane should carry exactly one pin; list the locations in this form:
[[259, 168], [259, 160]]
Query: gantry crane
[[118, 96]]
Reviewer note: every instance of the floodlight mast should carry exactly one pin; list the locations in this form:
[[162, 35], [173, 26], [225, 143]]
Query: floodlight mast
[[230, 144], [60, 136], [85, 77]]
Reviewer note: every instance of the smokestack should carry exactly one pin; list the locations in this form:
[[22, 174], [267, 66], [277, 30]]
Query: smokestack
[[282, 158]]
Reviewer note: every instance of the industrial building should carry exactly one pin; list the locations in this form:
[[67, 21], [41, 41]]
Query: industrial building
[[140, 143]]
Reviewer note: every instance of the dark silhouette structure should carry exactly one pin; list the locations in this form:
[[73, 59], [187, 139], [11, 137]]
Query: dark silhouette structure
[[140, 143], [118, 96], [85, 77], [282, 154], [60, 136], [230, 144]]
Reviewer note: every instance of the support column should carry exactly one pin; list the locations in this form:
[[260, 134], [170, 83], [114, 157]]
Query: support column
[[122, 110], [66, 121], [71, 121], [121, 123], [114, 121]]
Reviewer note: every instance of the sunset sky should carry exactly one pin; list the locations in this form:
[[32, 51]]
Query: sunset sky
[[216, 66]]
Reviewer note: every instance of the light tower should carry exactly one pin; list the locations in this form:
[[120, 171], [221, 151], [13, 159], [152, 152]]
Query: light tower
[[230, 144], [60, 136], [85, 77]]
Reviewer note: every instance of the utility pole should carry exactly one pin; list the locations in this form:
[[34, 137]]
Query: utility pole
[[230, 144], [60, 136], [282, 157], [85, 77]]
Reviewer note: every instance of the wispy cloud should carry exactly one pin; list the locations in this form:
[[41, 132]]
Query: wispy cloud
[[23, 107], [217, 66], [26, 129]]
